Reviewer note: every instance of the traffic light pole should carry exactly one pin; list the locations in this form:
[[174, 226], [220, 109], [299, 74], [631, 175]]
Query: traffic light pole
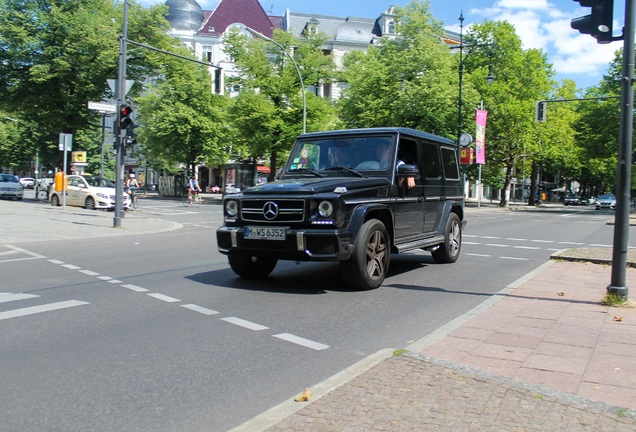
[[623, 182], [119, 132]]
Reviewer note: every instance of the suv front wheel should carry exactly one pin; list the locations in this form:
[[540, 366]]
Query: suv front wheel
[[448, 252], [369, 263]]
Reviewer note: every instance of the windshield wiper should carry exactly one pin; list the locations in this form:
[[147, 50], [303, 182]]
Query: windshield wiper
[[349, 169], [309, 170]]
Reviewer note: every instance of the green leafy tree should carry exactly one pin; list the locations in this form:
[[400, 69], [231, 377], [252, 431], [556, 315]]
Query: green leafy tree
[[522, 78], [410, 80], [181, 120], [597, 129], [56, 55], [267, 114]]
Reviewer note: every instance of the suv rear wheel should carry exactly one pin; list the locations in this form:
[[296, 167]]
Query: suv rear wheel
[[251, 266], [369, 263], [448, 252]]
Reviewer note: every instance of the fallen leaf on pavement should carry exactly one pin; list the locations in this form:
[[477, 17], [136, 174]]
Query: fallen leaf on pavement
[[304, 396], [561, 293], [618, 318]]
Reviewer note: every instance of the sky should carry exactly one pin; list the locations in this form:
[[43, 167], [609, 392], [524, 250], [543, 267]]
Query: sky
[[539, 23]]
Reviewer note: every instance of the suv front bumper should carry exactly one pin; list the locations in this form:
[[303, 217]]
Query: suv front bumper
[[298, 245]]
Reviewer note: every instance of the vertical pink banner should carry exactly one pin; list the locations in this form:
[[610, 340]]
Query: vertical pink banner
[[480, 137]]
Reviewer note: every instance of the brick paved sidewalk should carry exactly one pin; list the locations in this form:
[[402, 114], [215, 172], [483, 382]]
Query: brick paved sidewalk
[[543, 356]]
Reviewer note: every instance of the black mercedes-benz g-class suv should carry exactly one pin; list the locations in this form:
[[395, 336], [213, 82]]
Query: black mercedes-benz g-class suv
[[354, 196]]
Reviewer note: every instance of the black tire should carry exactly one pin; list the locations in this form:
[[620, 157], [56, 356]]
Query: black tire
[[448, 252], [251, 266], [369, 264], [55, 200], [89, 204]]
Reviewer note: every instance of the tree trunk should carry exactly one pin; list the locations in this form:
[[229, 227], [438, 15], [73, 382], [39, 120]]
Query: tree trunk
[[505, 196], [532, 199], [272, 166]]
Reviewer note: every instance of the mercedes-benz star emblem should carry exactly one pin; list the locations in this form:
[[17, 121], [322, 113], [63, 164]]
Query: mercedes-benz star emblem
[[270, 210]]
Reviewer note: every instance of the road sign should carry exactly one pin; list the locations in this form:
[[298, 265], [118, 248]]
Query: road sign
[[102, 107], [66, 142], [112, 83]]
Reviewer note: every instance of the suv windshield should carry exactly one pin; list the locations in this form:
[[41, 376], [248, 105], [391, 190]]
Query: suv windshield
[[349, 154]]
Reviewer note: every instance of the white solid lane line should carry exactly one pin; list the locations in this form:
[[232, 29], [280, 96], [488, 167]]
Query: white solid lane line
[[39, 309]]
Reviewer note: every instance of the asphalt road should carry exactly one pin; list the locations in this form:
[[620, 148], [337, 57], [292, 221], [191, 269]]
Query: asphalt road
[[155, 332]]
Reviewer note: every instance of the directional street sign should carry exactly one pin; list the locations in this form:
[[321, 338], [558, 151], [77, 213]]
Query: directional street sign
[[102, 107]]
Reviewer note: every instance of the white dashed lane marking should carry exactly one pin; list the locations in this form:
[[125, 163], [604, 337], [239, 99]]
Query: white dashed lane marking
[[163, 297], [243, 323], [200, 309], [301, 341]]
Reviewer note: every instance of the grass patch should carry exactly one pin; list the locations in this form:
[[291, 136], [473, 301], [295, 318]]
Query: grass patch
[[399, 352], [616, 300]]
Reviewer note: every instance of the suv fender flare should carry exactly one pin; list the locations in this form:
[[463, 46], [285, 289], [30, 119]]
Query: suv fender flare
[[360, 215], [449, 207]]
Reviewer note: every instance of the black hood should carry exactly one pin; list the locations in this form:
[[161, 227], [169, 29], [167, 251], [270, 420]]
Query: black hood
[[316, 185]]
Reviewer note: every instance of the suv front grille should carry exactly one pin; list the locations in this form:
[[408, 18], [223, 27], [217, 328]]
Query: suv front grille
[[273, 211]]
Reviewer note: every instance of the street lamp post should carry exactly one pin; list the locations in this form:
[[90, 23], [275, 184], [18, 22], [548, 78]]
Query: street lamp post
[[302, 85], [489, 79]]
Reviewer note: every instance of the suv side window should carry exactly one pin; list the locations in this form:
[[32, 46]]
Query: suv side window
[[449, 159], [430, 161]]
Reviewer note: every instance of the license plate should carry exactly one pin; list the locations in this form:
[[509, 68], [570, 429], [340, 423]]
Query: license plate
[[264, 233]]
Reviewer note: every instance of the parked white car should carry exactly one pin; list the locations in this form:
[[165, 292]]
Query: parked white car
[[10, 187], [89, 192], [27, 182]]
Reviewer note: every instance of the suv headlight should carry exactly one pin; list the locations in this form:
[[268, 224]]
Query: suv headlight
[[325, 209], [231, 208]]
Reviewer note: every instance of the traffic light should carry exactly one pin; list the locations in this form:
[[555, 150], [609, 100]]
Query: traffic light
[[539, 113], [131, 134], [598, 23], [124, 116]]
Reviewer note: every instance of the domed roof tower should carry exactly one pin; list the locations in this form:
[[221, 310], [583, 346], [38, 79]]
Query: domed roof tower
[[184, 14]]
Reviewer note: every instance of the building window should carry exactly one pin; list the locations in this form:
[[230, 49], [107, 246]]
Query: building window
[[390, 27], [207, 53]]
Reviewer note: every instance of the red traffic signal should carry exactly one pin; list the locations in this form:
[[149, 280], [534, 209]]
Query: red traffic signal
[[124, 116]]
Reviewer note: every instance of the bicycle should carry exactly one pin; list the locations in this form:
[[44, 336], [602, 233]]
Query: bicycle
[[194, 200], [133, 198]]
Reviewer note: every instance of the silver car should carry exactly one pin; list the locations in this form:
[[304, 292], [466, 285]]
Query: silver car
[[606, 201], [10, 187]]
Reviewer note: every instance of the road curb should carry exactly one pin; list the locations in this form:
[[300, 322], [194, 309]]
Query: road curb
[[285, 409]]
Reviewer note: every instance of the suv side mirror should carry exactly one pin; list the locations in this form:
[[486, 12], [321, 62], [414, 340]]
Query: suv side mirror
[[407, 170]]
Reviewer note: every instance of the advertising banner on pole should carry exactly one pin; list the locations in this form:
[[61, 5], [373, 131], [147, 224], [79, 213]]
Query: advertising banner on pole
[[480, 137]]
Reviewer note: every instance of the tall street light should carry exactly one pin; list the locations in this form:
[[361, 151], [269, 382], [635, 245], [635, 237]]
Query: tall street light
[[302, 85], [489, 79]]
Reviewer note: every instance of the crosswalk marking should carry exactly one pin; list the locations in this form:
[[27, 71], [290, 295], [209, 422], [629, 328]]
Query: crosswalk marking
[[39, 309]]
